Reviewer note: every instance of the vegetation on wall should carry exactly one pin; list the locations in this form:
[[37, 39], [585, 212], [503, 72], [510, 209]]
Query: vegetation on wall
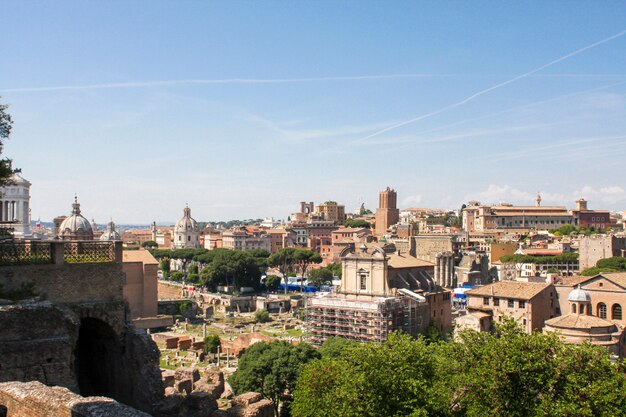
[[607, 265], [530, 259]]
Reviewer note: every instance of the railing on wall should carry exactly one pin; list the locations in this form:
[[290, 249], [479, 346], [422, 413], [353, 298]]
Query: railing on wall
[[88, 251], [59, 252], [25, 253]]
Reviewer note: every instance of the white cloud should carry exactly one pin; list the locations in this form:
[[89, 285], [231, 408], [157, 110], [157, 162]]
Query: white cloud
[[502, 193], [411, 201], [609, 195]]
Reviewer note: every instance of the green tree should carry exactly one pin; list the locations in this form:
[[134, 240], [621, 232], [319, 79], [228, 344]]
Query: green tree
[[6, 165], [304, 258], [509, 373], [262, 316], [272, 370], [606, 265], [211, 343], [319, 277], [193, 269], [515, 374], [357, 223], [283, 260], [336, 347], [177, 276], [272, 282], [165, 267], [335, 268], [394, 378], [232, 267], [149, 244]]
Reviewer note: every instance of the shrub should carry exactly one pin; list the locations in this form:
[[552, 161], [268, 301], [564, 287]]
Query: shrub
[[262, 316]]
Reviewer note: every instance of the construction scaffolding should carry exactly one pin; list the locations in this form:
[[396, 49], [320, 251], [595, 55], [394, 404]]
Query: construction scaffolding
[[365, 321]]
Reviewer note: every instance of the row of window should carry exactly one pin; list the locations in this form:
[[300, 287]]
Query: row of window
[[510, 303], [601, 310]]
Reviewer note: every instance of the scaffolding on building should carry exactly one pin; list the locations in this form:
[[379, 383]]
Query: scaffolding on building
[[363, 321]]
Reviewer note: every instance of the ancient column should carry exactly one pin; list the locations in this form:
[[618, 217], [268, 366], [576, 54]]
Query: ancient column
[[436, 271], [444, 270], [451, 268]]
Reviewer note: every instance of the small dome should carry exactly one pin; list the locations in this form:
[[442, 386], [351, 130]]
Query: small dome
[[111, 233], [76, 227], [579, 295], [186, 223]]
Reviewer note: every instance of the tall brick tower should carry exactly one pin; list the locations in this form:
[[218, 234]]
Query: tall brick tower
[[387, 213]]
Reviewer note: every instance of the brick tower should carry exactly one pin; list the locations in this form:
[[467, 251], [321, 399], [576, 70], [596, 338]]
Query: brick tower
[[387, 213]]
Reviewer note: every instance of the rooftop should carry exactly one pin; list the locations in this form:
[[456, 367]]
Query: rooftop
[[576, 321], [138, 256], [510, 289]]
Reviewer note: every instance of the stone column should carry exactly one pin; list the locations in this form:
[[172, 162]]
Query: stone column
[[438, 269], [451, 268], [444, 261]]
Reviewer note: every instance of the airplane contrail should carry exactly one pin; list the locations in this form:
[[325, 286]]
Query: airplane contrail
[[494, 87], [139, 84]]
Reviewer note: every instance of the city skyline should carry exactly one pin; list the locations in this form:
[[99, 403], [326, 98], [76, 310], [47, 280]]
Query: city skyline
[[242, 110]]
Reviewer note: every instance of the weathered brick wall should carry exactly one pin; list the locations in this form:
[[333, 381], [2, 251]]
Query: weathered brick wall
[[33, 399], [427, 247], [36, 343], [67, 283]]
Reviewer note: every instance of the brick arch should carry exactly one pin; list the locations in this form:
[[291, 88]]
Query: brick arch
[[97, 359]]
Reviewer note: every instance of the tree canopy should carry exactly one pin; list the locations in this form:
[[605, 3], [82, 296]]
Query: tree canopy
[[356, 223], [271, 368], [232, 267], [606, 265], [319, 277], [6, 165], [531, 259], [509, 373]]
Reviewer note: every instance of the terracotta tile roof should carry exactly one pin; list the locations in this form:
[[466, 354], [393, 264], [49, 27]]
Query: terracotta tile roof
[[510, 289], [406, 261], [350, 230], [543, 252], [138, 256], [617, 277], [575, 321], [571, 281]]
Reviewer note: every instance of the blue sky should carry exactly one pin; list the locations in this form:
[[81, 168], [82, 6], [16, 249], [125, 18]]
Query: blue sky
[[243, 109]]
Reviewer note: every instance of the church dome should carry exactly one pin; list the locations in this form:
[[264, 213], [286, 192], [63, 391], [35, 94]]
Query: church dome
[[186, 223], [579, 295], [76, 227], [111, 233]]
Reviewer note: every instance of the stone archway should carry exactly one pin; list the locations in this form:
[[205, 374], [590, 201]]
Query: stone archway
[[97, 359]]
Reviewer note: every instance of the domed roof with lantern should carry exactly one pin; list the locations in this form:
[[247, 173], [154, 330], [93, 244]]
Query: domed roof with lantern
[[186, 232], [75, 227], [186, 223], [579, 295], [111, 233]]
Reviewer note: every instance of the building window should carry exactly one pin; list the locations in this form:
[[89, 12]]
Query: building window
[[486, 301], [522, 304], [616, 312], [496, 302], [363, 282], [511, 304], [602, 310], [573, 308]]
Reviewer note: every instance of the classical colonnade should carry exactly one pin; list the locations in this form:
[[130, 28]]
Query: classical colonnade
[[444, 269]]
